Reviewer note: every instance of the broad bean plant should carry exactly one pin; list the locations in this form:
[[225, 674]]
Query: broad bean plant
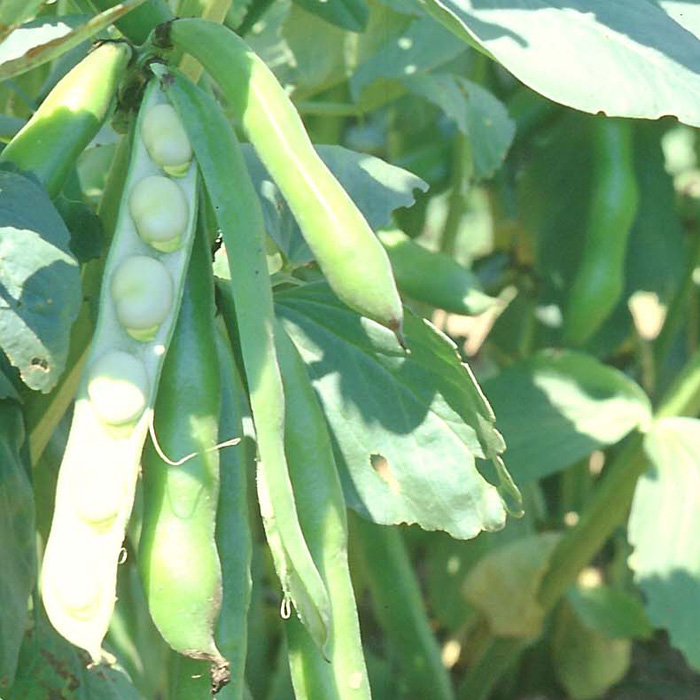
[[348, 350]]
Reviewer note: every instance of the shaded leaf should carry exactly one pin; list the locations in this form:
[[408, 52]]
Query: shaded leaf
[[478, 114], [40, 292], [346, 14], [50, 667], [317, 64], [409, 429], [614, 612], [556, 407], [627, 59], [663, 529], [17, 533], [423, 46]]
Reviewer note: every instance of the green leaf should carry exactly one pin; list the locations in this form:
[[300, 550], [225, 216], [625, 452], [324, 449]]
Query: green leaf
[[614, 612], [320, 63], [623, 58], [17, 533], [556, 407], [663, 529], [14, 12], [685, 12], [423, 46], [479, 115], [32, 46], [86, 231], [40, 292], [409, 429], [586, 661], [504, 583], [375, 186], [346, 14], [50, 667]]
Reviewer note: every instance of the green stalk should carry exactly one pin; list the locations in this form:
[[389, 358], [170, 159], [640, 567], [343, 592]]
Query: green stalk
[[678, 305], [399, 607], [462, 167]]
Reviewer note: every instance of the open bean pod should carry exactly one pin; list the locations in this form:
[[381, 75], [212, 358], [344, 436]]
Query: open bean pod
[[141, 292]]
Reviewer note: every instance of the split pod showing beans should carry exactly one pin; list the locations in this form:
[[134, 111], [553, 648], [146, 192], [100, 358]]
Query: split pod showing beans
[[352, 259], [139, 302]]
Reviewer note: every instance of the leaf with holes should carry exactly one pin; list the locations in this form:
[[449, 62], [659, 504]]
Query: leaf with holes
[[410, 430], [40, 292]]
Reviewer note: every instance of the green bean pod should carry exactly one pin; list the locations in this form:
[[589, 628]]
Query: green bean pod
[[239, 217], [600, 279], [70, 116], [113, 411], [321, 506], [233, 536], [433, 278], [348, 252], [178, 558]]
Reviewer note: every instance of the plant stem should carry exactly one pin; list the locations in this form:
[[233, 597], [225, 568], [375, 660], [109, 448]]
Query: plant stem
[[398, 604], [677, 306], [461, 177]]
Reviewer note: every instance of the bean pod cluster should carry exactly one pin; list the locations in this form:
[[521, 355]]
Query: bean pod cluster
[[140, 297]]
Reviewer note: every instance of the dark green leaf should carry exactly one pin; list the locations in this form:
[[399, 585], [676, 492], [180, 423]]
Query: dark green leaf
[[346, 14], [478, 114], [17, 533], [408, 428], [557, 407], [663, 529], [614, 612], [375, 186], [39, 282], [50, 667], [86, 232], [423, 46]]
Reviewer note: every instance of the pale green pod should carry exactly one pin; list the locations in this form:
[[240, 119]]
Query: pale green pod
[[118, 387], [142, 291], [166, 139], [160, 213], [114, 408]]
